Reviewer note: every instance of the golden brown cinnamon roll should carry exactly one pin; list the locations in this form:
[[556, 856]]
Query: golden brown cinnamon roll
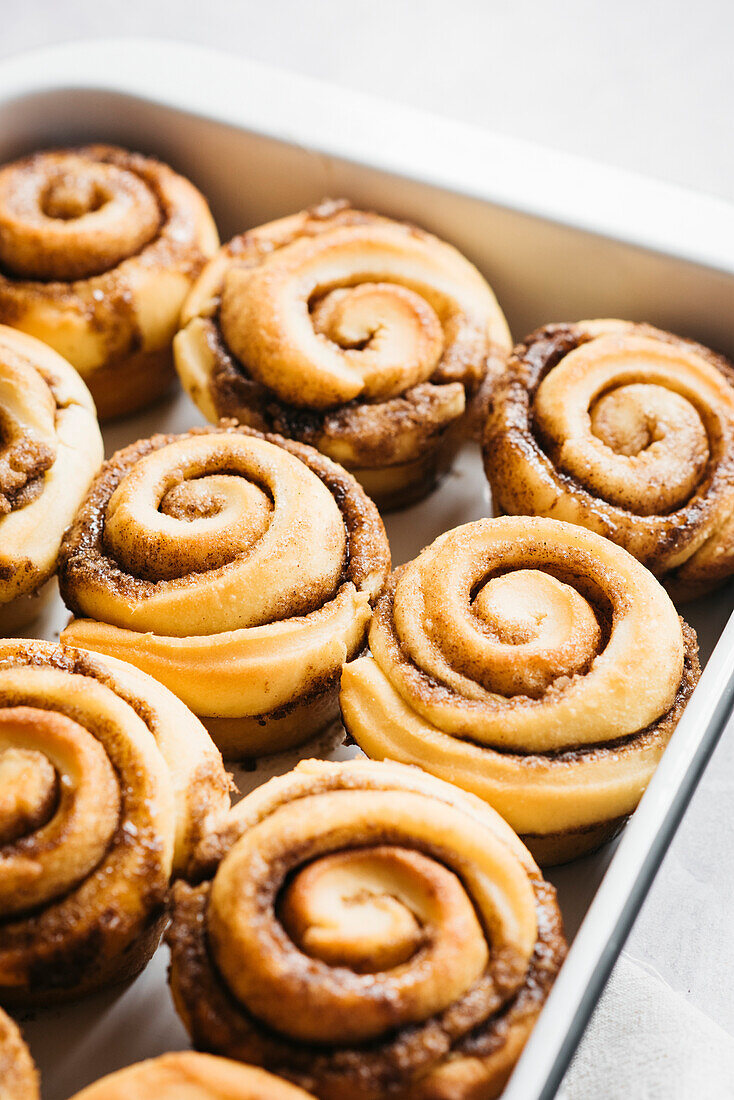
[[193, 1076], [362, 336], [366, 930], [50, 449], [98, 249], [107, 783], [18, 1076], [628, 431], [531, 662], [238, 569]]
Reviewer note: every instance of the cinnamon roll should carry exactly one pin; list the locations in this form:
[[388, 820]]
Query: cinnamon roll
[[533, 663], [366, 930], [107, 783], [628, 431], [98, 249], [362, 336], [50, 449], [193, 1076], [18, 1076], [238, 569]]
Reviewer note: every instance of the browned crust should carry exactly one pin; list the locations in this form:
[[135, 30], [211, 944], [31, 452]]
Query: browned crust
[[371, 429], [554, 849], [67, 975], [410, 483], [147, 375], [19, 613], [520, 1015], [285, 727], [73, 955]]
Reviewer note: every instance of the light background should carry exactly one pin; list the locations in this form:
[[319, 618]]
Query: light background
[[643, 85]]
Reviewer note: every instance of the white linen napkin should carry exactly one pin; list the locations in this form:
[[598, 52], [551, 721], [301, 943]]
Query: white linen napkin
[[647, 1042]]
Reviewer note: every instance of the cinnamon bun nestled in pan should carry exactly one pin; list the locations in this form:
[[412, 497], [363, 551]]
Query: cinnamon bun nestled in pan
[[50, 449], [107, 784], [193, 1077], [18, 1076], [367, 931], [368, 338], [533, 663], [238, 569], [98, 249], [628, 431]]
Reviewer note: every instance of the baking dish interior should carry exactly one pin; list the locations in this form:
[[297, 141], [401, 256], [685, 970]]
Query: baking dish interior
[[541, 271]]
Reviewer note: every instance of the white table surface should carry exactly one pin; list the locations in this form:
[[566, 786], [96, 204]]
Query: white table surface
[[647, 86]]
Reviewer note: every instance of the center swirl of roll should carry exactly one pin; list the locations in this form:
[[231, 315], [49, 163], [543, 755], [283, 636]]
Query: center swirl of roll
[[533, 628], [516, 632], [28, 792], [629, 419], [217, 515], [69, 215], [59, 806], [488, 627], [350, 913], [389, 333], [205, 521], [375, 908], [359, 311]]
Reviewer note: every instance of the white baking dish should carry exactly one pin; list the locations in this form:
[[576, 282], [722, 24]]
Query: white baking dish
[[559, 239]]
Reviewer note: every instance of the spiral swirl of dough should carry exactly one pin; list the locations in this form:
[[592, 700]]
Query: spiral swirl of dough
[[393, 304], [626, 430], [197, 1076], [363, 336], [237, 569], [363, 921], [98, 249], [66, 216], [50, 449], [531, 662], [18, 1076], [107, 783]]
